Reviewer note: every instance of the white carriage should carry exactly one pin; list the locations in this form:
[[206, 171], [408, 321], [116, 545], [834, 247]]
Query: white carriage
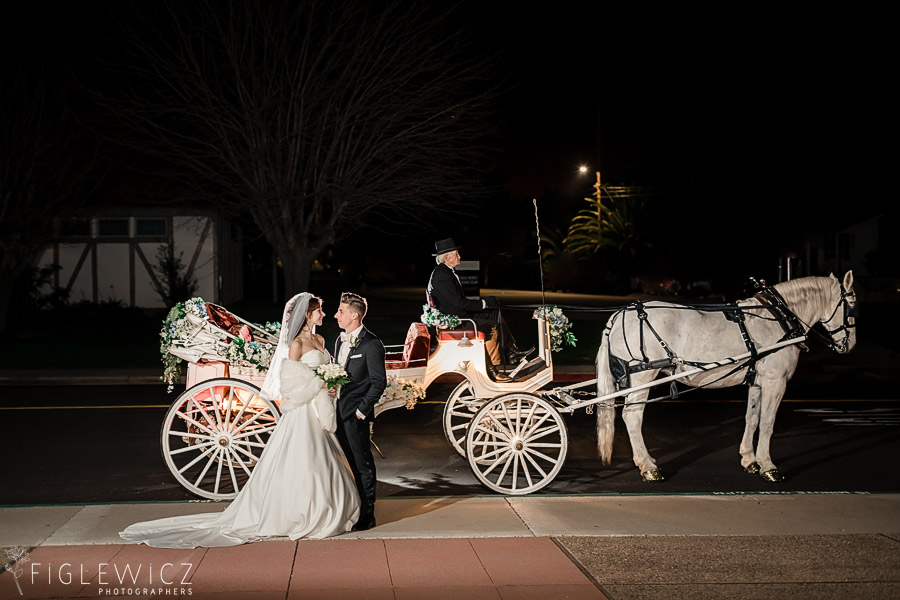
[[215, 431]]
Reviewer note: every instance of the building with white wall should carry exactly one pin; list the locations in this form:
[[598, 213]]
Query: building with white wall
[[113, 254]]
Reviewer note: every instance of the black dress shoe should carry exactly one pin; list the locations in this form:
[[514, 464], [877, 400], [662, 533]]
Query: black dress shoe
[[365, 523], [496, 375]]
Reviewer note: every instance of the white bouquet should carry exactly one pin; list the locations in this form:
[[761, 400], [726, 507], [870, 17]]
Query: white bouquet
[[332, 374]]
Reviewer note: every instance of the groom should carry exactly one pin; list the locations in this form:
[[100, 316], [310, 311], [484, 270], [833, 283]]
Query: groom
[[362, 355]]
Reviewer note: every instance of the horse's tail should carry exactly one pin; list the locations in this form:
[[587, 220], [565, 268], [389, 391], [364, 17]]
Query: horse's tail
[[606, 413]]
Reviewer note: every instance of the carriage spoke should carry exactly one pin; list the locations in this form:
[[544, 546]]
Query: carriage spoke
[[464, 415], [504, 469], [543, 433], [210, 424], [525, 470], [259, 444], [488, 455], [527, 454], [188, 434], [540, 421], [215, 405], [250, 421], [500, 426], [228, 408], [244, 405], [199, 406], [240, 460], [195, 423], [530, 415], [490, 436], [234, 482], [212, 459], [515, 471], [256, 432], [219, 473], [499, 460], [541, 455], [197, 459], [200, 446], [249, 454], [509, 421], [215, 409]]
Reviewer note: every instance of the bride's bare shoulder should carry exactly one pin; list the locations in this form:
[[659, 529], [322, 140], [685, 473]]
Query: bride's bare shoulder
[[297, 349]]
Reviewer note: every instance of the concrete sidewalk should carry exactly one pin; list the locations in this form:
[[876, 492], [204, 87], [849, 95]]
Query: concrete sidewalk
[[719, 546]]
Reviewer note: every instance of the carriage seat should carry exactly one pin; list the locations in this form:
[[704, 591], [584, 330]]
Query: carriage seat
[[223, 319], [415, 349]]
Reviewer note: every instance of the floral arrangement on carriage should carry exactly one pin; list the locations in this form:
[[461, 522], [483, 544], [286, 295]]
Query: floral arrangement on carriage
[[196, 330], [560, 328], [434, 317], [409, 391]]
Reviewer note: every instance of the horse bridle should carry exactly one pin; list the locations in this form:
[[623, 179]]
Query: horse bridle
[[850, 311]]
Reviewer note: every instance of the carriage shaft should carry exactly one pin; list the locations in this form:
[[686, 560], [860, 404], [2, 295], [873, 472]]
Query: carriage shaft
[[705, 367]]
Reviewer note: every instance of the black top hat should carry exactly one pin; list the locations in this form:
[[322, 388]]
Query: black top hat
[[444, 246]]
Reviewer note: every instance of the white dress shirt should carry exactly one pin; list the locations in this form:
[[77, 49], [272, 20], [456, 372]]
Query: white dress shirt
[[344, 355]]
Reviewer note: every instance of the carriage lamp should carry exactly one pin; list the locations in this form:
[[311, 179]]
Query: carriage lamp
[[465, 342]]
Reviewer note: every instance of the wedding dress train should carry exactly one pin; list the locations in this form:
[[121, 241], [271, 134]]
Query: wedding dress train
[[302, 486]]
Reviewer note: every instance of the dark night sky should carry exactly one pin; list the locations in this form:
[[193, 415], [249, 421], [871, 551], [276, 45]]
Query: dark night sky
[[753, 126], [780, 115]]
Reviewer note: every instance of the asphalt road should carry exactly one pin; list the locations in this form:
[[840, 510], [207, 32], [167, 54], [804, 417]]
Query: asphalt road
[[101, 444]]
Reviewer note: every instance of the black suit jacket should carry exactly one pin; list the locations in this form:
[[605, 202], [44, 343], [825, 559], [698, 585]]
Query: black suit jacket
[[447, 293], [365, 367]]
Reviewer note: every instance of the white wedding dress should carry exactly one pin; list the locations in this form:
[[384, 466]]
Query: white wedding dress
[[302, 486]]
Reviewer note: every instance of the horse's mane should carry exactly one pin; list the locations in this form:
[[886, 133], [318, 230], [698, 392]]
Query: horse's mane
[[816, 290]]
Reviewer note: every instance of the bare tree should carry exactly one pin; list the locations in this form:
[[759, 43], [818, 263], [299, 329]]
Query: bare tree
[[46, 169], [312, 117]]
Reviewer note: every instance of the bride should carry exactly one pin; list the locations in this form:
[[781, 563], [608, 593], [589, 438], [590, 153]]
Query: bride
[[302, 485]]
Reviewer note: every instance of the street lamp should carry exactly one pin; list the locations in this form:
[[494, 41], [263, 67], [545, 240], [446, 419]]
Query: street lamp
[[583, 169]]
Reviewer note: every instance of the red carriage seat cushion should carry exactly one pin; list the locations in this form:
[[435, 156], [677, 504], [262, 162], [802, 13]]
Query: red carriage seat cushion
[[223, 319], [415, 349]]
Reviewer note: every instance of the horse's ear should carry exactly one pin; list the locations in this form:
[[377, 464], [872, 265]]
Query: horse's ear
[[848, 280]]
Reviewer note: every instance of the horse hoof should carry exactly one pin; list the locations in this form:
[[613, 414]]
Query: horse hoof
[[772, 476], [752, 468], [652, 475]]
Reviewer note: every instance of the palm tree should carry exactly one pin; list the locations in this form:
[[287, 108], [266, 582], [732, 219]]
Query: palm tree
[[612, 221]]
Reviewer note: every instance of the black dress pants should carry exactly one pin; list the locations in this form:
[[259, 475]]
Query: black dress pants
[[353, 435]]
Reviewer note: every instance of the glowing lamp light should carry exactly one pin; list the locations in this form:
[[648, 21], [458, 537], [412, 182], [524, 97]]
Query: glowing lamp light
[[582, 169]]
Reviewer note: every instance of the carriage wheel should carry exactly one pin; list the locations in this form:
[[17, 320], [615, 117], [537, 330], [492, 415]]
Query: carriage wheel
[[516, 443], [461, 406], [214, 434]]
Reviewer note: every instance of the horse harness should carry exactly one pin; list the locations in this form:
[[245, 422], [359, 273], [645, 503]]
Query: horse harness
[[768, 297]]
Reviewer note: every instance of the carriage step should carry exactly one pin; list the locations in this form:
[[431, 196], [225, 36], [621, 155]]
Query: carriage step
[[527, 369]]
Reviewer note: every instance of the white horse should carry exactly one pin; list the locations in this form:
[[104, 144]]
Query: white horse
[[680, 337]]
